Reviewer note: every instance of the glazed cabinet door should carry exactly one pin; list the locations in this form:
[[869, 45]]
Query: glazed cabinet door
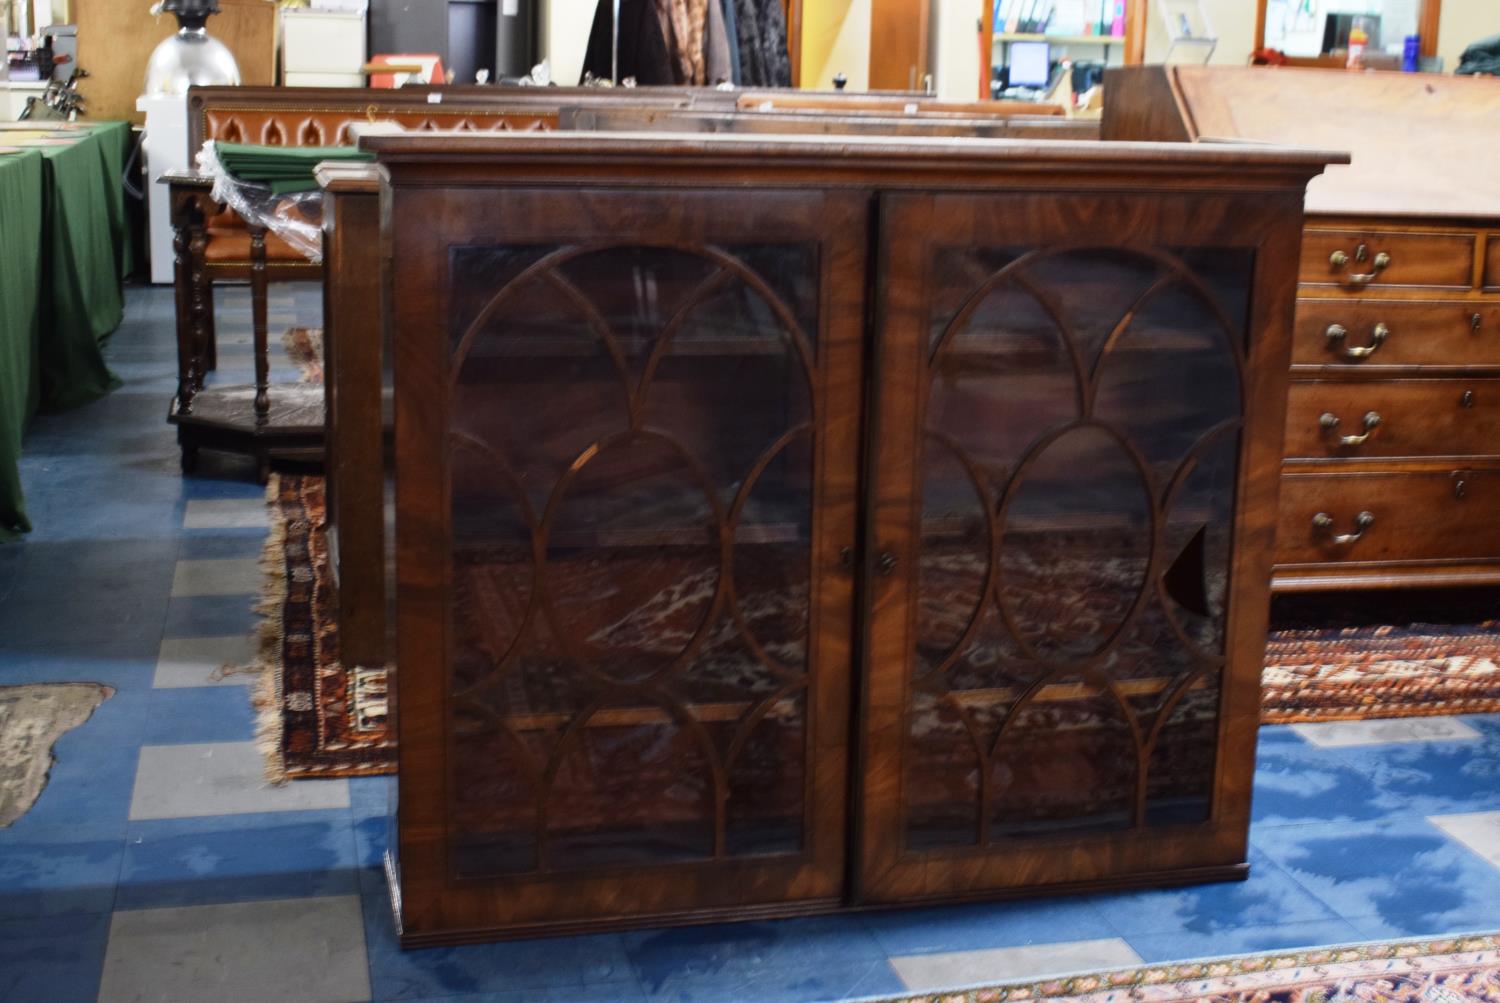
[[628, 428], [1073, 492]]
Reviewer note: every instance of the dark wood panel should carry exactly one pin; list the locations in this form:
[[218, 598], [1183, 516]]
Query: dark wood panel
[[1023, 534], [1491, 276], [1413, 516], [354, 426], [1411, 259], [539, 277], [1389, 335], [1370, 418], [627, 851]]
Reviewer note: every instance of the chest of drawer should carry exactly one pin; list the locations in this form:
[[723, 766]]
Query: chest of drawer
[[1358, 259], [1388, 517], [1341, 419], [1354, 333]]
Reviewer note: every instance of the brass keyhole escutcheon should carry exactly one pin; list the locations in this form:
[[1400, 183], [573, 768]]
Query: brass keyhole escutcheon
[[1474, 323], [1467, 400], [1460, 484]]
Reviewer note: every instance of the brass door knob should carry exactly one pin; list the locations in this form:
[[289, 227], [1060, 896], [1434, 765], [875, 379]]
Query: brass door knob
[[1362, 522]]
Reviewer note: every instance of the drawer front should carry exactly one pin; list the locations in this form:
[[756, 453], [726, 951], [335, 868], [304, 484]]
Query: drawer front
[[1354, 333], [1376, 259], [1328, 419], [1426, 515]]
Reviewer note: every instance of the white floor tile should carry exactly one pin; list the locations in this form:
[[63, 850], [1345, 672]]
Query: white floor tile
[[222, 778], [1479, 831], [1344, 734], [225, 513], [933, 972], [219, 576], [308, 950], [195, 661]]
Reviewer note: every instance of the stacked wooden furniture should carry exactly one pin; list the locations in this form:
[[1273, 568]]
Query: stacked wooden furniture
[[1392, 470], [213, 244], [904, 540]]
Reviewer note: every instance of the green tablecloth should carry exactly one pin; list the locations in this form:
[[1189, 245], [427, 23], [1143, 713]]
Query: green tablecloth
[[84, 227], [284, 169], [65, 247], [20, 302]]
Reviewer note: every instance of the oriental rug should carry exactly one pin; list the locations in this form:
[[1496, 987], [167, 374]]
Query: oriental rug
[[317, 719], [1450, 970], [1352, 657], [32, 718], [1327, 659]]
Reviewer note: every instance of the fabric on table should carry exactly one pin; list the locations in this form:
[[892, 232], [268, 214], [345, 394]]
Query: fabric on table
[[81, 284], [115, 142], [20, 313], [284, 169], [644, 50]]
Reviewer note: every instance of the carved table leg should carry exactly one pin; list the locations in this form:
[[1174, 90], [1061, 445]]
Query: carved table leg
[[258, 309], [198, 281], [189, 378]]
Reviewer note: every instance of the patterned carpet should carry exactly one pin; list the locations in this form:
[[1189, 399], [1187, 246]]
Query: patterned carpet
[[315, 720], [1406, 654], [1452, 970], [1327, 658]]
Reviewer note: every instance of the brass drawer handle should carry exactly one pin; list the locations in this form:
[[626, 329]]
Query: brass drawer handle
[[1336, 334], [886, 563], [1339, 259], [1362, 522], [1330, 421]]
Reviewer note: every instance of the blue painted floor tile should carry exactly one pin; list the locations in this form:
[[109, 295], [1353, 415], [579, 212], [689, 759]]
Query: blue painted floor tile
[[237, 858], [1193, 945], [976, 927], [211, 616], [54, 958], [530, 965], [1268, 897], [1405, 873], [58, 872], [195, 714]]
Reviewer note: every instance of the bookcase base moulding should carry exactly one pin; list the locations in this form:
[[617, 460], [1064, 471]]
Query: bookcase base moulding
[[793, 524]]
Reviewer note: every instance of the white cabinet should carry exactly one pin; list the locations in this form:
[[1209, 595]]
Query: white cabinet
[[322, 48]]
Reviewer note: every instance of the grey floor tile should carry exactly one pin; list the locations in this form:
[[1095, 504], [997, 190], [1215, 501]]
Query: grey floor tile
[[217, 576], [929, 972], [1479, 831], [197, 661], [225, 513], [221, 778], [307, 950], [1345, 734]]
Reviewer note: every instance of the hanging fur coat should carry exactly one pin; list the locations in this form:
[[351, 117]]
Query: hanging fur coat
[[761, 26]]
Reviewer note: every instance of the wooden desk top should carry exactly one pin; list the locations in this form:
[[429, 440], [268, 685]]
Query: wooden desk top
[[1422, 144]]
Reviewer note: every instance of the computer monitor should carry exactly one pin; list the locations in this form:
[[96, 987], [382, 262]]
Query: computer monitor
[[1030, 64]]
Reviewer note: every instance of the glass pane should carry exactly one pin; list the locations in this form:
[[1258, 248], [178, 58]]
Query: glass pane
[[1078, 475], [631, 483]]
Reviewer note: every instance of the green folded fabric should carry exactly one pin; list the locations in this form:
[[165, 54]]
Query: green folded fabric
[[283, 169]]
